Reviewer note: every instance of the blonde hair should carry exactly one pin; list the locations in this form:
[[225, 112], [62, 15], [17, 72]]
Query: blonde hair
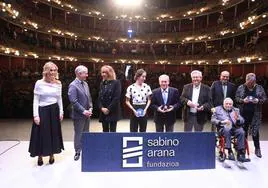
[[111, 73], [47, 67]]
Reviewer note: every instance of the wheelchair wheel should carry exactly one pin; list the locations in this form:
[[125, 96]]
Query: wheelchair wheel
[[222, 156]]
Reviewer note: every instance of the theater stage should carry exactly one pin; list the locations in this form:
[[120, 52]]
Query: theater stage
[[17, 169]]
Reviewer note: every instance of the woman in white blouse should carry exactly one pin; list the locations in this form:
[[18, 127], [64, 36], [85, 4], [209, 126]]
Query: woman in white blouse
[[138, 99], [46, 135]]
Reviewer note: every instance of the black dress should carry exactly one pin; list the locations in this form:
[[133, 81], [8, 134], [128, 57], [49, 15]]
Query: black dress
[[109, 97]]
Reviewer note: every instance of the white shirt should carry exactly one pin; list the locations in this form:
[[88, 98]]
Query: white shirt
[[195, 96], [46, 94], [138, 94]]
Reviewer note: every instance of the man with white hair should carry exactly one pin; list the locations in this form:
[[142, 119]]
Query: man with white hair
[[249, 98], [165, 103], [229, 122], [81, 102], [196, 98]]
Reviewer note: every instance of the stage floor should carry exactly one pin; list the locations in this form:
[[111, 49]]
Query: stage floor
[[17, 169]]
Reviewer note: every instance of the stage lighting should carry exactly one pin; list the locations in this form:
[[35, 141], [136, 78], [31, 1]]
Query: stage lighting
[[130, 32], [129, 3]]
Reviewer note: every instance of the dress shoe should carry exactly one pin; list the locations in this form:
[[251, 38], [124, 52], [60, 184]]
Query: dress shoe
[[231, 155], [76, 156], [258, 153], [51, 159], [241, 158], [222, 156], [40, 161]]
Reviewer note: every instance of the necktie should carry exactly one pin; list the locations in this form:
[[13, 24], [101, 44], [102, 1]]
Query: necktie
[[83, 86], [224, 88], [164, 95]]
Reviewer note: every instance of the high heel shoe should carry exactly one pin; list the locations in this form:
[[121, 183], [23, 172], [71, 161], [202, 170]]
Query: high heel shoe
[[51, 159], [40, 161]]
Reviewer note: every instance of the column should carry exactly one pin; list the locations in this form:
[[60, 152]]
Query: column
[[80, 20], [193, 23], [235, 11], [23, 63], [65, 17], [165, 26], [166, 4], [246, 39], [50, 13], [179, 25], [65, 43], [94, 23], [192, 48], [36, 37], [36, 65], [233, 44], [151, 26], [207, 20], [9, 63]]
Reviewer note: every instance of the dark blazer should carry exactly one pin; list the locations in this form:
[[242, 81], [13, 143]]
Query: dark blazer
[[217, 92], [109, 97], [157, 100], [203, 100], [79, 98]]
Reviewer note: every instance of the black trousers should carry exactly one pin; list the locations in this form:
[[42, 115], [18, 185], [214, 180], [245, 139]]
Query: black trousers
[[138, 124], [109, 126], [162, 126], [247, 125], [192, 123]]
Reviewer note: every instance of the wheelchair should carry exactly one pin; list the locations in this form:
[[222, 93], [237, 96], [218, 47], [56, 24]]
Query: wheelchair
[[221, 147]]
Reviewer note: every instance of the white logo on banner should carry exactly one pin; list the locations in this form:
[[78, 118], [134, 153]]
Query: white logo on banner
[[130, 152]]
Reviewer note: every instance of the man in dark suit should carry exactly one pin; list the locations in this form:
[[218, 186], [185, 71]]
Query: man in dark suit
[[196, 99], [165, 102], [222, 89], [81, 102]]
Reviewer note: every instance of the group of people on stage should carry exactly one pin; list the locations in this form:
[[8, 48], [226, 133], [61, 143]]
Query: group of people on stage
[[197, 102]]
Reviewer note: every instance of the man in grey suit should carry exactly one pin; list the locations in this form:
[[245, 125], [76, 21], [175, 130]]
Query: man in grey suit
[[229, 122], [81, 102]]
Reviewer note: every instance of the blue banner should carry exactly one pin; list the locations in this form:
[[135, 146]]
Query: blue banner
[[102, 152]]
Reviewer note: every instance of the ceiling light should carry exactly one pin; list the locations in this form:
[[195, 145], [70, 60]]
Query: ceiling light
[[129, 3]]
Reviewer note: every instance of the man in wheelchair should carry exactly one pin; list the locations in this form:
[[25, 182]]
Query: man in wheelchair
[[229, 123]]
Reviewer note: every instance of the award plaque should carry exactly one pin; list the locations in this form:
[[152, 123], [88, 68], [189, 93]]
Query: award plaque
[[140, 112]]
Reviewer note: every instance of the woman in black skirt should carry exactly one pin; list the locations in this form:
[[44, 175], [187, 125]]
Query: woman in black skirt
[[46, 136], [109, 99]]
